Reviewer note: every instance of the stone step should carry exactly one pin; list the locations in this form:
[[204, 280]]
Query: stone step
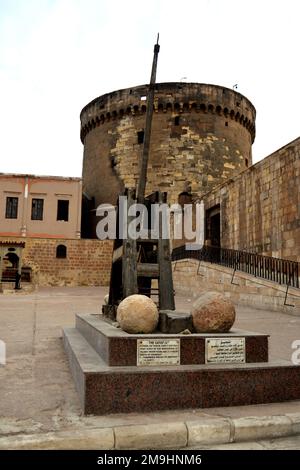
[[103, 389], [118, 348]]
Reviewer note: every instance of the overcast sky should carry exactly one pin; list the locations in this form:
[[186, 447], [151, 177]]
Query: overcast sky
[[57, 55]]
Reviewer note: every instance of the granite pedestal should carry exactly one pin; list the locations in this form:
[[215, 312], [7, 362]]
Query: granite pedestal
[[103, 360]]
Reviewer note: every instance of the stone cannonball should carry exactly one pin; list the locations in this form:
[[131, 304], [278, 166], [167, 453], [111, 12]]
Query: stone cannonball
[[212, 312], [137, 314]]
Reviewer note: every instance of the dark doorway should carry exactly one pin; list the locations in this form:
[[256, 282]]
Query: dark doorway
[[10, 270], [13, 259], [215, 230], [213, 226]]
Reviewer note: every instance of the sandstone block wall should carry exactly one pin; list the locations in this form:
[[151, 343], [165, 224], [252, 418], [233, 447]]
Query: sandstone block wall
[[260, 208], [87, 263], [190, 280]]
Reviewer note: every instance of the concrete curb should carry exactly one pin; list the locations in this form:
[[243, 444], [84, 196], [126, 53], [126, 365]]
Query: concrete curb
[[176, 435]]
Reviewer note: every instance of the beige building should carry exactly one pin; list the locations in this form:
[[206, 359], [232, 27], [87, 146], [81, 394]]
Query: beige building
[[40, 206]]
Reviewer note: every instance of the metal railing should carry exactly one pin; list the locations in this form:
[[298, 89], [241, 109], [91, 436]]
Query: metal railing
[[282, 271]]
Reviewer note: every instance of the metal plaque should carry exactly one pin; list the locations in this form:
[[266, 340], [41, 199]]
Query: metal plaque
[[158, 352], [225, 350]]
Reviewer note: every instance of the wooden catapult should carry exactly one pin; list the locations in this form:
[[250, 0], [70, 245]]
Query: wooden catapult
[[137, 262]]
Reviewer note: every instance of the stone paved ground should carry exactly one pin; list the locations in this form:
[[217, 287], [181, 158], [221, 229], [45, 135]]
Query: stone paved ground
[[36, 389], [284, 443]]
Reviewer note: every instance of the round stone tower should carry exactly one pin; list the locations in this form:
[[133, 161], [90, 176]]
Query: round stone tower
[[201, 136]]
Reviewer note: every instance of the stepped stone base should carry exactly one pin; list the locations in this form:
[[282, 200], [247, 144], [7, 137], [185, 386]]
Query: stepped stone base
[[118, 348], [103, 389], [103, 361]]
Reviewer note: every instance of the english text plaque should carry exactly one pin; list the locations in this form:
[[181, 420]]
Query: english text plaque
[[158, 352]]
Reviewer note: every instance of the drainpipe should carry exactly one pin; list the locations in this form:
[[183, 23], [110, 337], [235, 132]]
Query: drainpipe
[[1, 267], [25, 207], [79, 203]]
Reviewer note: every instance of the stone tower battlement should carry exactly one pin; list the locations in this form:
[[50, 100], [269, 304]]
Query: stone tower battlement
[[201, 136], [170, 97]]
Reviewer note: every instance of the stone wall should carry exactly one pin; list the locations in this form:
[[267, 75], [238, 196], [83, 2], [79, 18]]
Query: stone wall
[[260, 208], [190, 280], [87, 263], [201, 136]]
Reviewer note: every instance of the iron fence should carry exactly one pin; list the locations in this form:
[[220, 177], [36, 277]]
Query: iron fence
[[282, 271]]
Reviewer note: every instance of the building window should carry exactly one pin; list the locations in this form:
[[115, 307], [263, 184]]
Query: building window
[[176, 120], [140, 137], [37, 209], [62, 210], [11, 208], [61, 251]]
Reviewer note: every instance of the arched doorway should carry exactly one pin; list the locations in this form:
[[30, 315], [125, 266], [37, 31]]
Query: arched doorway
[[11, 262], [213, 226], [13, 259], [10, 268]]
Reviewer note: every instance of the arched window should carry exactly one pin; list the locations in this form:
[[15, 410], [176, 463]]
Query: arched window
[[61, 251], [140, 137]]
